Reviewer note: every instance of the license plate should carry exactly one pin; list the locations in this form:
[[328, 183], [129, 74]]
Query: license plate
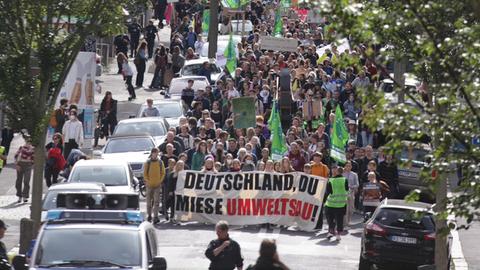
[[404, 240]]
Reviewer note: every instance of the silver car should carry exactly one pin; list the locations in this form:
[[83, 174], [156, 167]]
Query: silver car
[[156, 127], [170, 109]]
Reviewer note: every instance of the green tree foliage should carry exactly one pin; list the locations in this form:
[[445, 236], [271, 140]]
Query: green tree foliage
[[46, 34], [442, 40]]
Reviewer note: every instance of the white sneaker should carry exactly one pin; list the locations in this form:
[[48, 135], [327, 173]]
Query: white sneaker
[[329, 235], [338, 238]]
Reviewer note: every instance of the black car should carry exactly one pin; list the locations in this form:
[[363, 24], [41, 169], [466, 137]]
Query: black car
[[399, 232]]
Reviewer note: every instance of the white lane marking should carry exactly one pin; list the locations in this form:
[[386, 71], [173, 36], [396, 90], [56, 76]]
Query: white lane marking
[[458, 259]]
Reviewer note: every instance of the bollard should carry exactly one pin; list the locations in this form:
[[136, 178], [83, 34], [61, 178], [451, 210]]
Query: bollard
[[26, 234]]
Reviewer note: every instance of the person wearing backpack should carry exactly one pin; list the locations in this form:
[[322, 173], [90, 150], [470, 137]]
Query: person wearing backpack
[[153, 175]]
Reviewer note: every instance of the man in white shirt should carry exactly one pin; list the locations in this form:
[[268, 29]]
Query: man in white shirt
[[72, 133], [150, 111]]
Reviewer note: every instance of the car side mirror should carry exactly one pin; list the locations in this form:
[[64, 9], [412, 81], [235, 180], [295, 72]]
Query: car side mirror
[[367, 216], [158, 263], [19, 262], [97, 153]]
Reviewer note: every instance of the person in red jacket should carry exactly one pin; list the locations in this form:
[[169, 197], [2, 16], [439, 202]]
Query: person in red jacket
[[55, 160]]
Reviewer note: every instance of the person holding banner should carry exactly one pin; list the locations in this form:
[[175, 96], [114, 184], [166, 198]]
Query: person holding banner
[[335, 205], [223, 252]]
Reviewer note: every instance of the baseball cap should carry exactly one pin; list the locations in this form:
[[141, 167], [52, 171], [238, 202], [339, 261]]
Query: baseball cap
[[3, 225]]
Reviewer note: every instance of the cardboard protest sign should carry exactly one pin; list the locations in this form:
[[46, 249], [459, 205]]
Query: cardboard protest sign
[[249, 198]]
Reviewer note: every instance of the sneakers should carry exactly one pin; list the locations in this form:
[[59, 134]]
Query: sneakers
[[329, 235], [25, 200], [338, 238], [19, 200]]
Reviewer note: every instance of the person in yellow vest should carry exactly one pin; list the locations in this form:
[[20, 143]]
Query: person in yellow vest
[[153, 175], [3, 158], [336, 202]]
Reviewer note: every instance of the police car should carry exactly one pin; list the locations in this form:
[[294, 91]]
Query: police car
[[96, 230]]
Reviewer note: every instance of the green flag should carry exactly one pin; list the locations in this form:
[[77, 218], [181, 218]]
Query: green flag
[[205, 20], [278, 27], [286, 3], [279, 147], [339, 137], [234, 4], [231, 57]]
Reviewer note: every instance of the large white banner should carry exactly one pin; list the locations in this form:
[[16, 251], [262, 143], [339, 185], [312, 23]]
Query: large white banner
[[79, 85], [249, 198]]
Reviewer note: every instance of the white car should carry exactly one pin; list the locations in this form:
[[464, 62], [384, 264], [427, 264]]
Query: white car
[[170, 109], [157, 127], [132, 149], [193, 67], [238, 26], [222, 43], [50, 198], [178, 84], [116, 175]]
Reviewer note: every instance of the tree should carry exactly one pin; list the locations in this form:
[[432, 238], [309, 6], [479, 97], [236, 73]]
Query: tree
[[47, 34], [441, 41]]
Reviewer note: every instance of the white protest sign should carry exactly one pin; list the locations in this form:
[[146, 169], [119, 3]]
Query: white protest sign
[[278, 44], [250, 198]]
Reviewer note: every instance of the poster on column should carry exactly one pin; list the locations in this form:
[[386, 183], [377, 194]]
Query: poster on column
[[250, 198], [79, 85]]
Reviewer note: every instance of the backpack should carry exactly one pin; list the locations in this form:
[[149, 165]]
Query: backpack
[[150, 161]]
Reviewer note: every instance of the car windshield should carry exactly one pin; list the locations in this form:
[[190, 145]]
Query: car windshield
[[129, 145], [405, 218], [50, 200], [155, 128], [115, 246], [415, 155], [194, 69], [110, 175], [166, 110], [177, 86]]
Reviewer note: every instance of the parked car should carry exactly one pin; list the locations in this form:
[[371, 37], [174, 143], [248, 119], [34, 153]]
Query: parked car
[[133, 149], [414, 156], [116, 175], [178, 84], [193, 67], [222, 43], [170, 109], [399, 232], [50, 198], [156, 127]]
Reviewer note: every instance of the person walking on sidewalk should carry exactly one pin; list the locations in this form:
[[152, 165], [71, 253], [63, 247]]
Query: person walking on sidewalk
[[55, 160], [24, 164], [127, 75], [353, 185], [72, 134], [3, 248], [151, 32], [141, 63], [134, 29], [153, 175], [336, 203]]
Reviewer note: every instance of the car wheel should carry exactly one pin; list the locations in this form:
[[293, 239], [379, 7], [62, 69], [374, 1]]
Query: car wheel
[[364, 264]]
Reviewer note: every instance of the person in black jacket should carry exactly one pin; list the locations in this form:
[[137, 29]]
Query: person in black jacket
[[170, 184], [108, 113], [134, 29], [268, 259], [388, 171], [223, 252]]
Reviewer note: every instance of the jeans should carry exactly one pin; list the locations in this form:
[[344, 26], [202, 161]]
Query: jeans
[[51, 176], [24, 174], [140, 73], [335, 219], [131, 90], [153, 200]]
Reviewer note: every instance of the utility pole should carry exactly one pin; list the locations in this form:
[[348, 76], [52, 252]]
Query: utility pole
[[213, 30]]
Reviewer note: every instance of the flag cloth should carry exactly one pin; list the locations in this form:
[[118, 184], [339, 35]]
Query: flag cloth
[[205, 20], [231, 57], [279, 146], [286, 3], [322, 58], [339, 137], [234, 4], [278, 27]]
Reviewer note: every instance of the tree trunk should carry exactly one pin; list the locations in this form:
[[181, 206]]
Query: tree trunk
[[213, 30], [441, 255], [37, 185]]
